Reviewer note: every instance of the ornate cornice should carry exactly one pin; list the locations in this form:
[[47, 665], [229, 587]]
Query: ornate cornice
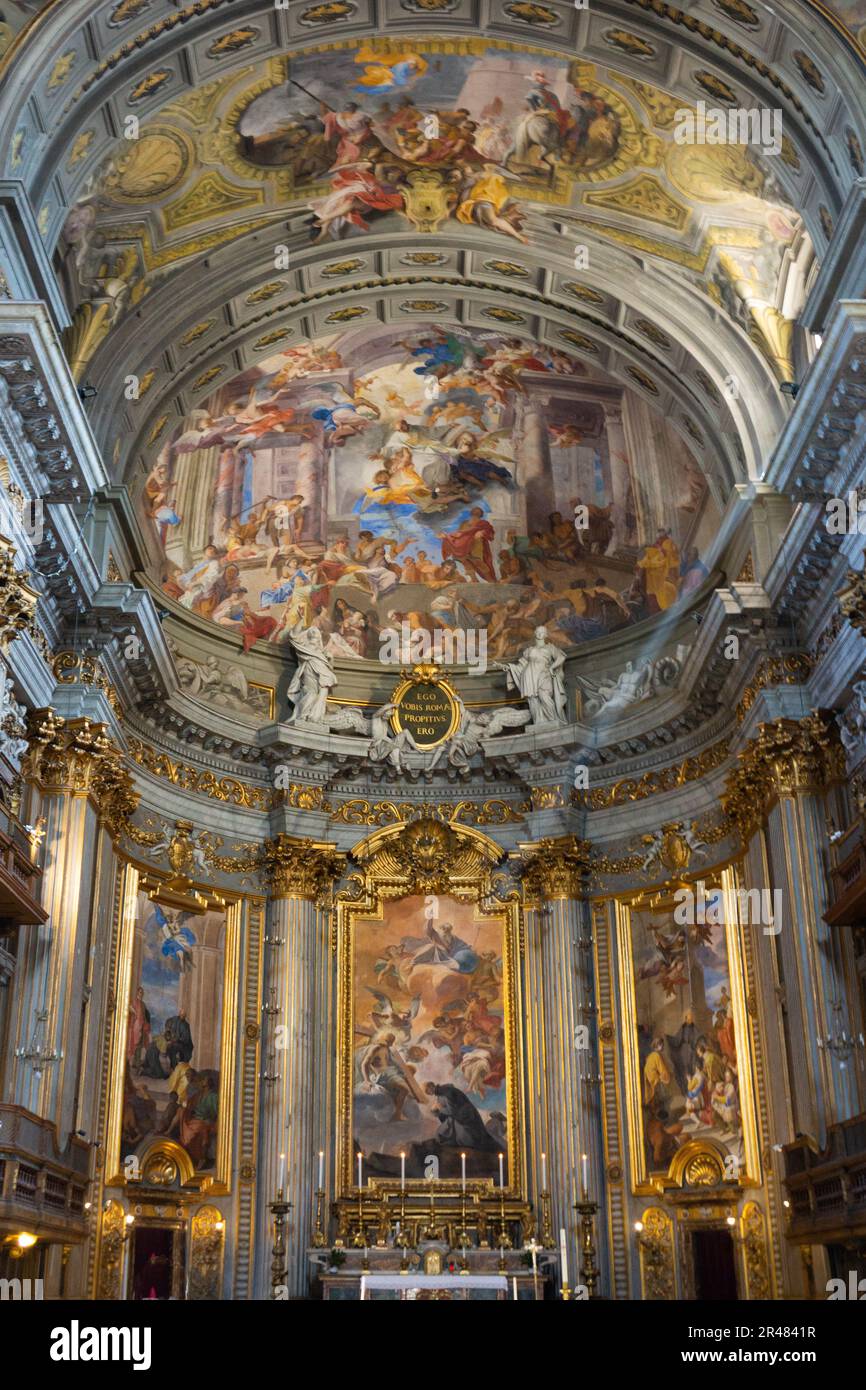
[[555, 868], [787, 758], [301, 868]]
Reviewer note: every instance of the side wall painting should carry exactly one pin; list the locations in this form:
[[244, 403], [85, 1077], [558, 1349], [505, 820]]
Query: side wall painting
[[688, 1042], [174, 1037]]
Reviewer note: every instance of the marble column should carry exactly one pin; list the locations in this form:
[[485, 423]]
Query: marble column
[[295, 1048], [535, 477], [620, 470], [562, 1090]]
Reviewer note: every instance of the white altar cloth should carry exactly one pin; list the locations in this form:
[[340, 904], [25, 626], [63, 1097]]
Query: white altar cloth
[[407, 1282]]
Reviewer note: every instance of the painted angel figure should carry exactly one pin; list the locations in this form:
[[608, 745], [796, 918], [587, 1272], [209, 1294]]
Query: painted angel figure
[[176, 939]]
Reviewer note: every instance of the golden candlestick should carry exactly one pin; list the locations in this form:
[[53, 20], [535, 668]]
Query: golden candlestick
[[279, 1269], [360, 1235], [319, 1229], [504, 1237], [546, 1221], [588, 1268]]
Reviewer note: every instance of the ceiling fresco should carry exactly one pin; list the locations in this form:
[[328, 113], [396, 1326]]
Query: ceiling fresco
[[449, 480], [437, 138]]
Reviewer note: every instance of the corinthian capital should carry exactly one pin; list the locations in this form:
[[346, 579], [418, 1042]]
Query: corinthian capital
[[555, 868], [301, 868], [788, 756]]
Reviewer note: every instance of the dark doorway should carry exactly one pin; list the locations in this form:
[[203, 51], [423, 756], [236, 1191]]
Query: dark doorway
[[715, 1270], [152, 1260]]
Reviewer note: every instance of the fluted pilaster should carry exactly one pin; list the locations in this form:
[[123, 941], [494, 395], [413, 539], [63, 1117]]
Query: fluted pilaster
[[563, 1054], [296, 1041]]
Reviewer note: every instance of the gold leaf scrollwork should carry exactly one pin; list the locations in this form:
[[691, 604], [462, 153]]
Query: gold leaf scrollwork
[[754, 1235], [657, 1255], [206, 1237]]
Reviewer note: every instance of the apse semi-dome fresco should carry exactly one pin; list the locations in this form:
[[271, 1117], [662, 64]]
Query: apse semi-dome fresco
[[463, 481]]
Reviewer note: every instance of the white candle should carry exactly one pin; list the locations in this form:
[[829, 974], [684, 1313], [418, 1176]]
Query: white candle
[[544, 1172], [402, 1172], [463, 1169], [360, 1169], [501, 1171], [282, 1181], [585, 1165], [563, 1256], [514, 1286], [321, 1170]]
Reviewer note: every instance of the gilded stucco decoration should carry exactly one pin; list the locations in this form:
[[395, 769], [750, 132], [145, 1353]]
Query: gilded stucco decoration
[[753, 1233], [77, 756], [17, 599], [852, 597], [206, 1242], [429, 854]]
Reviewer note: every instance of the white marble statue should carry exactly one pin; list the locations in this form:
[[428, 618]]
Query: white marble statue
[[537, 674], [638, 682], [12, 723], [852, 724], [313, 679]]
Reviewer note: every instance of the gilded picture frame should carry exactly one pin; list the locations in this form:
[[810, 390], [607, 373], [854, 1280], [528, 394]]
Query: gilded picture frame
[[391, 873], [697, 1147], [161, 1155]]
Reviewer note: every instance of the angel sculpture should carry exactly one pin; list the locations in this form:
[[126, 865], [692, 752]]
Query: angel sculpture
[[385, 745], [472, 731]]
